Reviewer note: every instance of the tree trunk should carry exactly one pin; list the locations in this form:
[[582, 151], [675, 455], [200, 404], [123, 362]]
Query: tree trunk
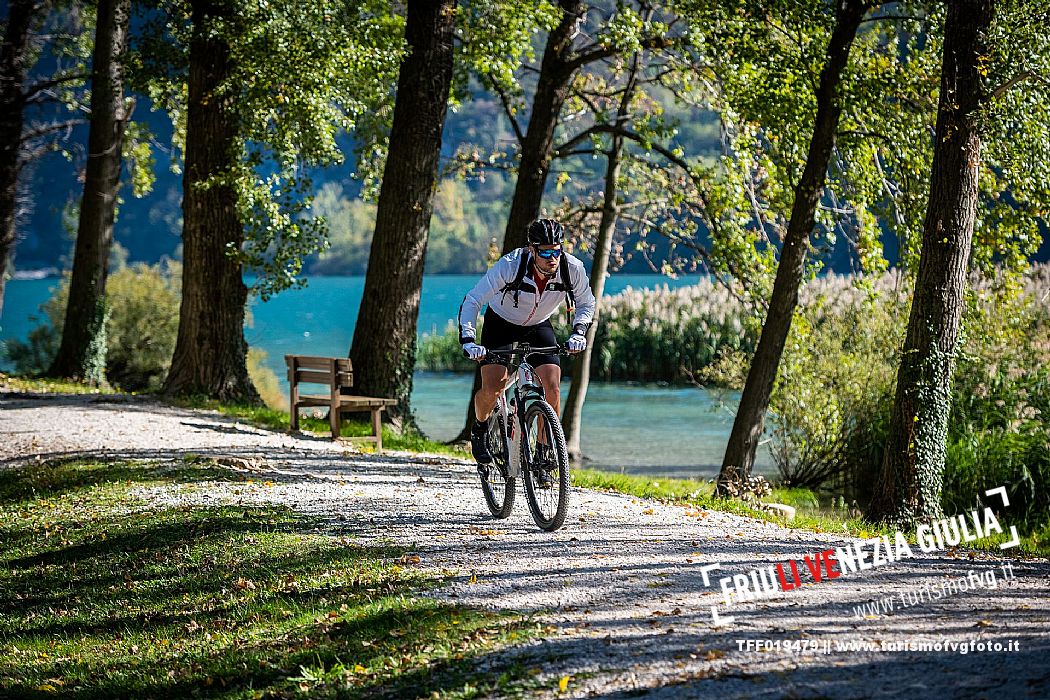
[[14, 61], [913, 464], [750, 416], [384, 344], [82, 353], [572, 415], [552, 88], [210, 351]]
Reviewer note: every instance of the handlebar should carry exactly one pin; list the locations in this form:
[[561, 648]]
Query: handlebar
[[509, 351]]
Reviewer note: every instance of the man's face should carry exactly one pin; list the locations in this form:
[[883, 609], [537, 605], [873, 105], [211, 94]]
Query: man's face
[[546, 265]]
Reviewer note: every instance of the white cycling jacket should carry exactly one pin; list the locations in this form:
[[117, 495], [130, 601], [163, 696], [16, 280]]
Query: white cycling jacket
[[528, 308]]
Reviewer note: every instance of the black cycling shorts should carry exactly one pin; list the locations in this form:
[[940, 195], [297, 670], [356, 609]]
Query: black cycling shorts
[[499, 332]]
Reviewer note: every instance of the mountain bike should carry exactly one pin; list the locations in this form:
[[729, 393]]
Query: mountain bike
[[526, 439]]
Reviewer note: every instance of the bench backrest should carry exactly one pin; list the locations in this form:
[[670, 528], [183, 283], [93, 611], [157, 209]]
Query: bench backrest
[[330, 371]]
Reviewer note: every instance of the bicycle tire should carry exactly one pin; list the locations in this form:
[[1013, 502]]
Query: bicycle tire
[[548, 513], [495, 485]]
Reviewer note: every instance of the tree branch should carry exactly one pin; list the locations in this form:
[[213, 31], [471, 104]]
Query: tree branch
[[585, 95], [627, 134], [596, 53], [1009, 84], [849, 133], [582, 152], [879, 18], [575, 140], [45, 130], [507, 110], [48, 84]]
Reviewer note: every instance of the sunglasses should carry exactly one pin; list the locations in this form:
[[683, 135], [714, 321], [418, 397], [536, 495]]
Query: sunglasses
[[549, 253]]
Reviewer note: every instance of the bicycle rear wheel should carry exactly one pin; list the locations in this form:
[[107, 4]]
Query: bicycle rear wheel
[[495, 484], [546, 485]]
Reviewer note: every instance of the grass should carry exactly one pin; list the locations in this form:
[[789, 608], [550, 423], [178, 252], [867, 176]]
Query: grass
[[214, 601], [810, 513], [47, 386]]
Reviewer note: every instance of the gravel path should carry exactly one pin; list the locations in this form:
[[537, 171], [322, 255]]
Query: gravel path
[[623, 583]]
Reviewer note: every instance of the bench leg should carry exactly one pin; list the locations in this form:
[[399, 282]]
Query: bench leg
[[293, 423], [333, 421], [377, 427]]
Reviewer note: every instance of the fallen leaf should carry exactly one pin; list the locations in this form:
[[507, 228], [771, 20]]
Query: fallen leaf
[[563, 684]]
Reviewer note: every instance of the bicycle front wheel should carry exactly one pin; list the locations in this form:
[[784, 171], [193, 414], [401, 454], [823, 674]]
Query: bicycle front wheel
[[545, 466], [495, 484]]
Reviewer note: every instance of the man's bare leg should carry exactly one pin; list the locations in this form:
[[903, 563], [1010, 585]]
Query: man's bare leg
[[550, 380], [493, 379]]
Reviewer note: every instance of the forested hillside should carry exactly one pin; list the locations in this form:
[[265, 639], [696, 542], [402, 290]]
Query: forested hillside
[[470, 213]]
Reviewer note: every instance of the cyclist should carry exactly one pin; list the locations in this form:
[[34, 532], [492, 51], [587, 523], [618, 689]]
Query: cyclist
[[523, 290]]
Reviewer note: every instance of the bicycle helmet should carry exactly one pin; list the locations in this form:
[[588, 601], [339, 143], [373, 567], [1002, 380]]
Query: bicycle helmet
[[546, 232]]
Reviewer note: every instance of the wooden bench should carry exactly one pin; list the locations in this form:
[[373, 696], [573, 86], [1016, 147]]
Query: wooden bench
[[336, 373]]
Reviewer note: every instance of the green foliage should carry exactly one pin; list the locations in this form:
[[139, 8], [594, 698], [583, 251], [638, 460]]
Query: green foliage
[[95, 364], [302, 73], [1015, 126], [765, 62], [765, 59], [837, 371], [441, 351], [34, 355], [139, 159], [831, 406], [58, 57], [141, 326], [350, 224], [496, 38], [999, 433]]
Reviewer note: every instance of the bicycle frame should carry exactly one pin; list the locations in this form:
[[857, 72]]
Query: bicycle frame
[[523, 387]]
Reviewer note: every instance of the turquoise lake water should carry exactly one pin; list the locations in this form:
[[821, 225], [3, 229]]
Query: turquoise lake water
[[659, 430]]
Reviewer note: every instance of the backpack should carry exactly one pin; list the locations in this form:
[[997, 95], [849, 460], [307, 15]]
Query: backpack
[[565, 285]]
